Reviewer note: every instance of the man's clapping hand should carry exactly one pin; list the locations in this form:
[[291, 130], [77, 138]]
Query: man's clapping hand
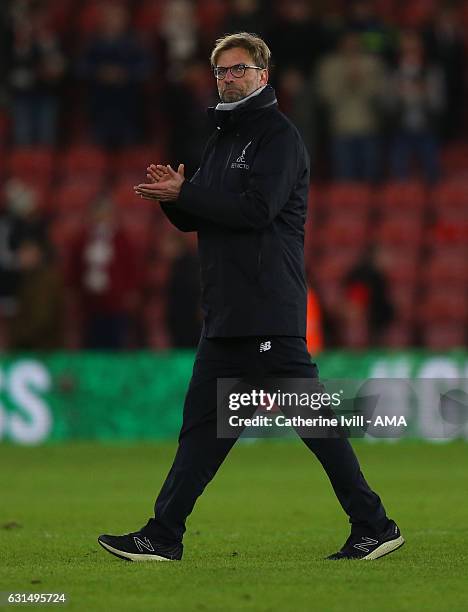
[[165, 183]]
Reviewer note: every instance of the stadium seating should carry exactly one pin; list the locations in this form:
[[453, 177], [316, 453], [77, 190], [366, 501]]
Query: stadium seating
[[454, 159], [148, 16], [398, 335], [348, 198], [130, 164], [444, 336], [34, 164], [399, 231], [421, 230], [447, 268], [83, 162], [451, 195], [76, 196], [402, 197]]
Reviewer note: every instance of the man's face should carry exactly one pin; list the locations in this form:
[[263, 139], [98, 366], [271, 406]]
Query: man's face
[[232, 89]]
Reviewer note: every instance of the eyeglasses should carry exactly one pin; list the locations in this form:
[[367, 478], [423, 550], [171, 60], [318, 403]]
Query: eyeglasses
[[237, 71]]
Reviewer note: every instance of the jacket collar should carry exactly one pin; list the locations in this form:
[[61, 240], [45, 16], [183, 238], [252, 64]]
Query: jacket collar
[[231, 114], [226, 106]]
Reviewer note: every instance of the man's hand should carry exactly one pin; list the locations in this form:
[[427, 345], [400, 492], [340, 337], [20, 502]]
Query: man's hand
[[165, 183], [156, 173]]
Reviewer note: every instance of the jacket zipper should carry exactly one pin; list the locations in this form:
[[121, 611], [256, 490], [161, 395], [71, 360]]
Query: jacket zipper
[[259, 256], [227, 162]]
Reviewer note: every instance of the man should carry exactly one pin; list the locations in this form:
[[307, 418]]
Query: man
[[248, 204]]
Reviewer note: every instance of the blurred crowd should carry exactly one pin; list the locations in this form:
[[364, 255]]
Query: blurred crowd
[[92, 91]]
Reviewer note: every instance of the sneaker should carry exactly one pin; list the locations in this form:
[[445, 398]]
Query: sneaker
[[138, 546], [370, 548]]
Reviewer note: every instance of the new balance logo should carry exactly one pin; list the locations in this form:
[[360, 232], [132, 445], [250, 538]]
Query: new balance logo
[[240, 161], [265, 346], [141, 544], [366, 543]]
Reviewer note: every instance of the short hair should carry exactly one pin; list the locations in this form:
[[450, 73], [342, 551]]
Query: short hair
[[252, 43]]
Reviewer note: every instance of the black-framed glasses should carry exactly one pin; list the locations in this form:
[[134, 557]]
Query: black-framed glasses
[[237, 71]]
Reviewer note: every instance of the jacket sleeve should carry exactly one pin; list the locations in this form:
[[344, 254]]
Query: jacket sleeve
[[272, 177], [184, 221]]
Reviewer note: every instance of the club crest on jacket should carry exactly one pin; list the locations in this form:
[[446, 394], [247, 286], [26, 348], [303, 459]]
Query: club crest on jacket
[[240, 161]]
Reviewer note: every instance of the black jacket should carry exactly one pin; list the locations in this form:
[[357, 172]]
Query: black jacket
[[248, 202]]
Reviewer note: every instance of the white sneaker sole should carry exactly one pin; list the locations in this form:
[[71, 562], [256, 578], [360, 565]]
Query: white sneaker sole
[[131, 556], [384, 549]]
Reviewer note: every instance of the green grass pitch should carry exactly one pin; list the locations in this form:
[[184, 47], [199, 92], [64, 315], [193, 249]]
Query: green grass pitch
[[256, 540]]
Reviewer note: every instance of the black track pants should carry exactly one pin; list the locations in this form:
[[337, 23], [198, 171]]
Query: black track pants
[[200, 453]]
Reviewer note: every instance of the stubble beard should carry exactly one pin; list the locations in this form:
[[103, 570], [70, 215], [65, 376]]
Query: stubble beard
[[233, 95]]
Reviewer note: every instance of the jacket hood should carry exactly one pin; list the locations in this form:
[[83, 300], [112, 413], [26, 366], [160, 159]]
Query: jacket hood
[[253, 104]]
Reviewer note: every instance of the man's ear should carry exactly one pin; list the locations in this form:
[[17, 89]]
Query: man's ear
[[264, 77]]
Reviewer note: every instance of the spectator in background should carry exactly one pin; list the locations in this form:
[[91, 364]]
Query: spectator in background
[[179, 32], [367, 311], [36, 71], [298, 100], [245, 16], [105, 280], [186, 101], [5, 50], [445, 41], [295, 37], [374, 34], [184, 316], [19, 221], [115, 66], [350, 84], [38, 322], [415, 101]]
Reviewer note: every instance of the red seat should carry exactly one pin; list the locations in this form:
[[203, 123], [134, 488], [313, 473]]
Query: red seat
[[440, 306], [73, 197], [32, 163], [451, 195], [449, 231], [211, 15], [454, 160], [352, 198], [444, 336], [333, 266], [342, 231], [132, 163], [398, 335], [402, 196], [126, 201], [315, 197], [399, 231], [148, 16], [82, 162], [4, 127], [401, 268], [89, 17], [416, 14], [447, 267], [60, 14]]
